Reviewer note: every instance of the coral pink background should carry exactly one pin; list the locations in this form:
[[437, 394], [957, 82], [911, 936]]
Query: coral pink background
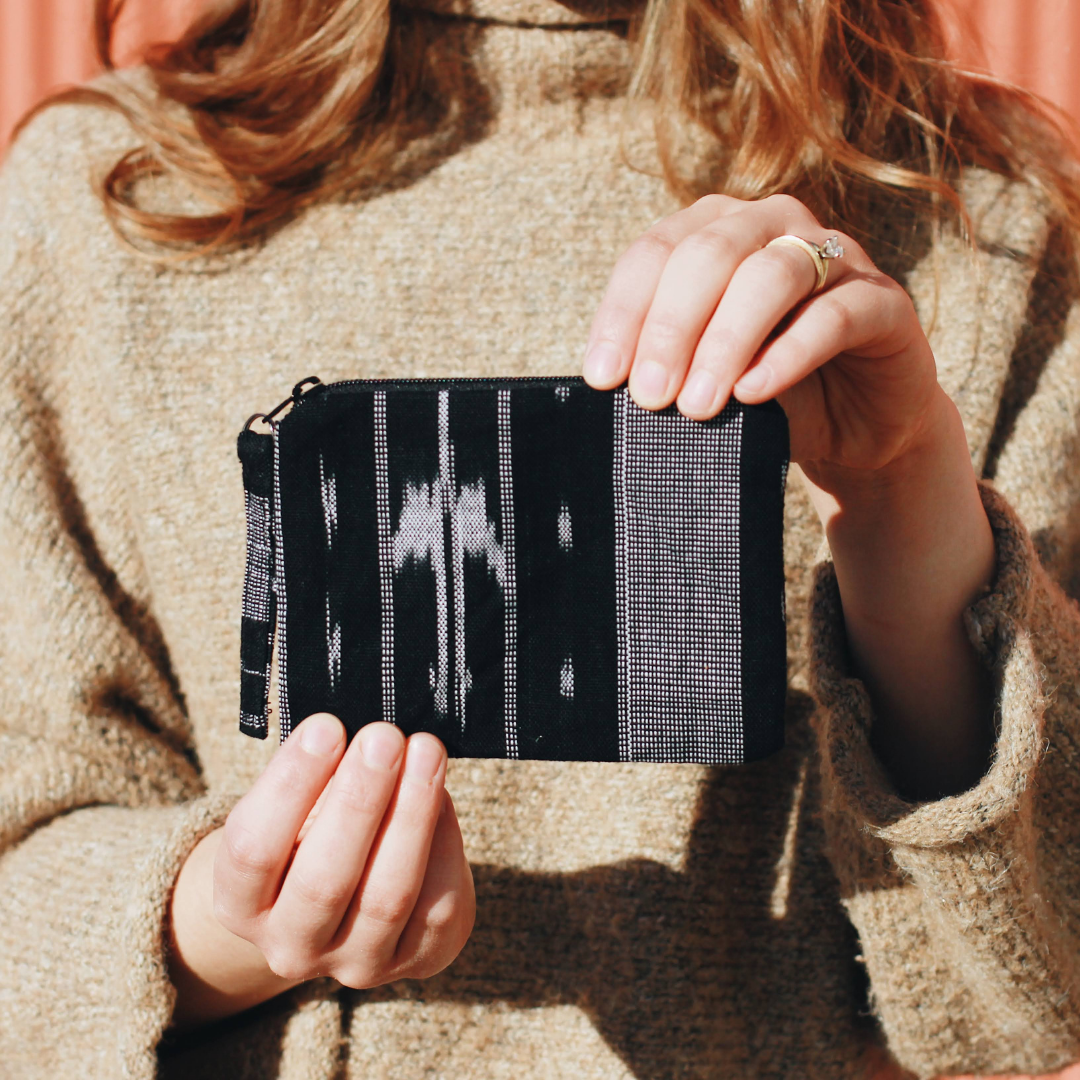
[[46, 44]]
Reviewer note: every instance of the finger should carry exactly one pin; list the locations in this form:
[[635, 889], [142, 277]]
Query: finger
[[330, 861], [622, 311], [766, 286], [260, 833], [445, 910], [871, 325], [391, 883], [864, 315], [699, 275]]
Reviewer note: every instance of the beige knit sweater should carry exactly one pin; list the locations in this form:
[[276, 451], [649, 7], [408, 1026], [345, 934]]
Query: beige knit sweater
[[642, 921]]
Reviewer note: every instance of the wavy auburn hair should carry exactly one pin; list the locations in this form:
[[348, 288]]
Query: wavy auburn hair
[[268, 106]]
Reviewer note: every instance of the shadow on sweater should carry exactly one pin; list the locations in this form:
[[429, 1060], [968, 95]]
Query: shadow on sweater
[[1054, 291], [115, 698]]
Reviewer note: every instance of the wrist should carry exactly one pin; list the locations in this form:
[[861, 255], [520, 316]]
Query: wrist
[[215, 973], [910, 540], [913, 548]]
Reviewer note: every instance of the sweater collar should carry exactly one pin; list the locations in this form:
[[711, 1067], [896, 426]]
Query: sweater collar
[[539, 67]]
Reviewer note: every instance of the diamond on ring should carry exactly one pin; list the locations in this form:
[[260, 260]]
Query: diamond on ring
[[831, 249]]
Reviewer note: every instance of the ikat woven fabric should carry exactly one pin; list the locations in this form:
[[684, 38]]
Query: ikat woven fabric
[[527, 568]]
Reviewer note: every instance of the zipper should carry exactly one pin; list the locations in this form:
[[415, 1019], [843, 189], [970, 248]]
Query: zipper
[[454, 380], [314, 385]]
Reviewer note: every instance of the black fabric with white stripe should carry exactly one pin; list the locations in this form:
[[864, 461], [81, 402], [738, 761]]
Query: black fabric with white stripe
[[258, 609], [524, 567]]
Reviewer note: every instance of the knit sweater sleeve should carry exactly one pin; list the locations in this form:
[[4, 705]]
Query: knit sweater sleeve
[[101, 798], [968, 908]]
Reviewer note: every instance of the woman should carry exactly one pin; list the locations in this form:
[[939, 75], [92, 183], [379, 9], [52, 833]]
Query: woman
[[429, 189]]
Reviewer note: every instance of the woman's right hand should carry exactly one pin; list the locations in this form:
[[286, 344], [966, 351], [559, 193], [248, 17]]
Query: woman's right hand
[[340, 862]]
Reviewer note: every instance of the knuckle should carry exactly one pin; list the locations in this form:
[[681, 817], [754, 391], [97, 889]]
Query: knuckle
[[840, 318], [414, 812], [236, 922], [715, 199], [651, 247], [246, 850], [797, 353], [903, 307], [356, 791], [719, 341], [788, 205], [707, 245], [662, 331], [435, 956], [390, 908], [443, 918], [612, 318], [321, 896], [290, 778], [288, 963]]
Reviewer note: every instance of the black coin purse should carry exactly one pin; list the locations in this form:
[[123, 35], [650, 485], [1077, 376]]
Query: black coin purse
[[525, 567]]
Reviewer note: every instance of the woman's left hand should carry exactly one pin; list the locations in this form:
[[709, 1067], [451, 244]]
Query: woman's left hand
[[698, 309], [691, 315]]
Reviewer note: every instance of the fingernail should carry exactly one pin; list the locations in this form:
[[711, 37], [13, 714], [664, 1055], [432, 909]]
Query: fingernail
[[652, 381], [381, 745], [755, 380], [602, 362], [422, 760], [320, 735], [699, 392]]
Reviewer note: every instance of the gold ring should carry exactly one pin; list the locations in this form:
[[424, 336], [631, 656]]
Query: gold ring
[[820, 253]]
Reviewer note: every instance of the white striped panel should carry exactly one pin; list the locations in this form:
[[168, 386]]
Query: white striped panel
[[386, 555], [285, 718], [676, 484], [506, 502], [618, 479]]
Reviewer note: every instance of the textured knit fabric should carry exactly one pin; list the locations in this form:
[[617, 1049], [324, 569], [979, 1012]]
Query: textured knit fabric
[[646, 921]]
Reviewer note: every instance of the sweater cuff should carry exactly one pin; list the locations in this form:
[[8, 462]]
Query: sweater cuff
[[84, 902], [999, 625]]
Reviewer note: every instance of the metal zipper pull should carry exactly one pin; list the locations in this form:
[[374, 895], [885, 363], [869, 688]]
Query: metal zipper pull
[[298, 391]]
